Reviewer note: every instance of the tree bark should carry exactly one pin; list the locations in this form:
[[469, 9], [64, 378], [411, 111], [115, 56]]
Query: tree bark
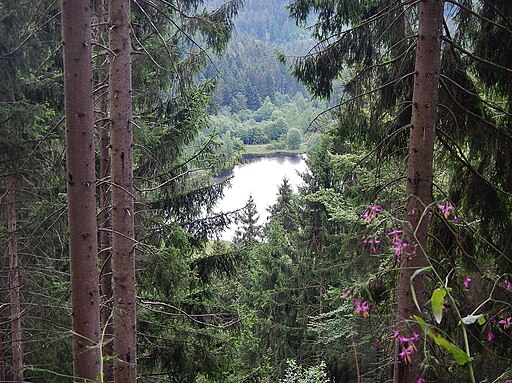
[[83, 247], [14, 282], [419, 176], [123, 243], [104, 221]]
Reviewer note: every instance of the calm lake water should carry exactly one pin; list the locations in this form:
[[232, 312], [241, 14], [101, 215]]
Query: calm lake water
[[259, 177]]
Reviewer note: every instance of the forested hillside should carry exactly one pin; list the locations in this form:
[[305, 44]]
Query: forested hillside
[[251, 83], [392, 260], [249, 72], [267, 21]]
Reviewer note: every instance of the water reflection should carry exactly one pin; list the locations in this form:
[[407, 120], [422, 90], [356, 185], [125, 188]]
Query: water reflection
[[259, 177]]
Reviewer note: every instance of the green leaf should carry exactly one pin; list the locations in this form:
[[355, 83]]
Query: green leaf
[[423, 324], [460, 356], [437, 302], [470, 319]]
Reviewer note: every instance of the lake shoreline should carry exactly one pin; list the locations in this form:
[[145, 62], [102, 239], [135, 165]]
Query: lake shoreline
[[264, 150], [251, 157]]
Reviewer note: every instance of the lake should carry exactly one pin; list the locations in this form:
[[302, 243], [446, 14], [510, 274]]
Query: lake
[[259, 177]]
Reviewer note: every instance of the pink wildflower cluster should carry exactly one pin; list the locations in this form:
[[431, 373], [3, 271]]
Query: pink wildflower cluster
[[407, 345], [371, 213], [466, 282], [508, 285], [362, 308], [506, 322], [401, 247], [446, 209]]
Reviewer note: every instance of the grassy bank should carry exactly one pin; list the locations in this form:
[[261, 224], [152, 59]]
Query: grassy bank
[[266, 150]]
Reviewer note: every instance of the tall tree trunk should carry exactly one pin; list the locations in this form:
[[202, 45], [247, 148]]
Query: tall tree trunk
[[5, 363], [83, 246], [420, 174], [123, 243], [104, 221], [14, 282]]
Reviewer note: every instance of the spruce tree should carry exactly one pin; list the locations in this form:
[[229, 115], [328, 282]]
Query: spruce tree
[[248, 231], [419, 179], [123, 213], [83, 246]]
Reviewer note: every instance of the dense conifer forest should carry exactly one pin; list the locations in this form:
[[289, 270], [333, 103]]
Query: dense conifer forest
[[391, 261]]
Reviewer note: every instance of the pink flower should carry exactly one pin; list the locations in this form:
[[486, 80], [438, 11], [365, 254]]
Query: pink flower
[[402, 339], [506, 322], [490, 336], [508, 285], [415, 337], [400, 248], [371, 213], [406, 353], [362, 307], [346, 293], [411, 348], [466, 282], [395, 234], [421, 380], [445, 208]]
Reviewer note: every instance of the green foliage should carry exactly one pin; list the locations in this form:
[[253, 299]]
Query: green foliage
[[249, 73], [219, 312], [270, 123], [437, 302], [285, 210], [268, 21], [460, 356], [366, 44], [248, 231], [299, 374], [293, 138]]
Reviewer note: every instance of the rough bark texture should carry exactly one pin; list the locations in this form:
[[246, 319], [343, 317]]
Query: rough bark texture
[[420, 173], [123, 244], [14, 282], [104, 221], [5, 330], [83, 247]]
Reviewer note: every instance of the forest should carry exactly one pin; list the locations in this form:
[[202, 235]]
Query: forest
[[391, 261]]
